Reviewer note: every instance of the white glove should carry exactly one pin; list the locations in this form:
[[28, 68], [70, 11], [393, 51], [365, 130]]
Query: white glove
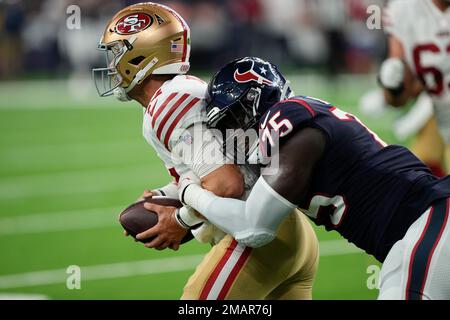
[[392, 73]]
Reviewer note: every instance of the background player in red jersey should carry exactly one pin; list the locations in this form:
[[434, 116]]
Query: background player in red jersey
[[419, 55]]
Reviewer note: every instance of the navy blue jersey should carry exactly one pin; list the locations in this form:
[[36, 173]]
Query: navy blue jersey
[[366, 190]]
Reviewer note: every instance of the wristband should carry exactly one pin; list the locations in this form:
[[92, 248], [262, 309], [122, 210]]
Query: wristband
[[188, 217], [180, 221]]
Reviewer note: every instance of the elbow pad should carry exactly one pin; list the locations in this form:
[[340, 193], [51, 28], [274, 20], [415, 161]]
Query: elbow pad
[[255, 238], [265, 209]]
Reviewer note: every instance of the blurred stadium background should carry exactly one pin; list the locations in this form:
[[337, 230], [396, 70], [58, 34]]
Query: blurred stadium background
[[69, 161]]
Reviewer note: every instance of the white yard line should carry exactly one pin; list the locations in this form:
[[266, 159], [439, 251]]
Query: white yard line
[[139, 268], [73, 182], [24, 150], [23, 296], [60, 221], [102, 271], [52, 94]]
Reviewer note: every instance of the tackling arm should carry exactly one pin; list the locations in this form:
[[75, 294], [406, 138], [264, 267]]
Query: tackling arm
[[202, 153], [249, 221]]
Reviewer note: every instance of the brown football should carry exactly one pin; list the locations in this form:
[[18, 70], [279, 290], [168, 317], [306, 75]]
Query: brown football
[[136, 219]]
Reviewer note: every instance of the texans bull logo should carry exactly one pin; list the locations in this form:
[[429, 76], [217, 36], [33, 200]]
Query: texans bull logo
[[133, 23], [252, 75]]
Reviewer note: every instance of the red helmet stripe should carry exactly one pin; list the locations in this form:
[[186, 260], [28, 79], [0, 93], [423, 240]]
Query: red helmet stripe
[[185, 41]]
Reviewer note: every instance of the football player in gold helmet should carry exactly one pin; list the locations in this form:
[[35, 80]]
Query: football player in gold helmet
[[147, 49], [139, 41]]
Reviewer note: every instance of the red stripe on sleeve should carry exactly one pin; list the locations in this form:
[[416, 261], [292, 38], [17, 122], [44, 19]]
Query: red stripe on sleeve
[[157, 93], [177, 119], [169, 113], [161, 108], [173, 172], [153, 101]]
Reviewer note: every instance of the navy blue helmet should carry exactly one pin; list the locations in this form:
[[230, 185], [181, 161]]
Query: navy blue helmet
[[241, 92]]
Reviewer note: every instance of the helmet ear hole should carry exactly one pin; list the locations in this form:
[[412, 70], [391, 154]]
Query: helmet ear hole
[[136, 61], [127, 71]]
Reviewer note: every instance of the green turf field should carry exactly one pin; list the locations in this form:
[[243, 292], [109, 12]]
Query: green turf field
[[68, 166]]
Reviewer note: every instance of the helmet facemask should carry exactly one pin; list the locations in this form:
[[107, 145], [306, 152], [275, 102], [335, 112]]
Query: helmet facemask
[[237, 124], [108, 78], [239, 94]]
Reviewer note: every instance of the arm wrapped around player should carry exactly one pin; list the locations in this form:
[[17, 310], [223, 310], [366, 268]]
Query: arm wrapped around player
[[247, 221]]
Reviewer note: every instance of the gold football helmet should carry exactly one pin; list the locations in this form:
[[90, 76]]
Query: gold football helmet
[[140, 40]]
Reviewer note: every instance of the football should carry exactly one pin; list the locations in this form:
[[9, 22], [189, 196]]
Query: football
[[136, 219]]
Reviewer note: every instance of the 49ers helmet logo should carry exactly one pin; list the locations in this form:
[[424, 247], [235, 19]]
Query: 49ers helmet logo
[[133, 23]]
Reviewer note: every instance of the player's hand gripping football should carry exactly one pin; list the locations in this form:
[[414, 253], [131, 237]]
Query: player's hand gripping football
[[167, 232], [145, 195]]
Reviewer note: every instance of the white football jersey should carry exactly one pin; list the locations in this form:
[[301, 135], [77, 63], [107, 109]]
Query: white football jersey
[[176, 105], [424, 31]]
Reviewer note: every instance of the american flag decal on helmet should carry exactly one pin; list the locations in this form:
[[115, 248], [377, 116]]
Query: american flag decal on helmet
[[176, 47]]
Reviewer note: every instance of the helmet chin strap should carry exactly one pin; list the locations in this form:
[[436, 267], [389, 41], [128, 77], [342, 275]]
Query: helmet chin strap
[[121, 94]]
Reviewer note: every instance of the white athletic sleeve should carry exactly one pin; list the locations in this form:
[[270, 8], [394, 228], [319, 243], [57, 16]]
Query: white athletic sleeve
[[198, 149], [253, 222]]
